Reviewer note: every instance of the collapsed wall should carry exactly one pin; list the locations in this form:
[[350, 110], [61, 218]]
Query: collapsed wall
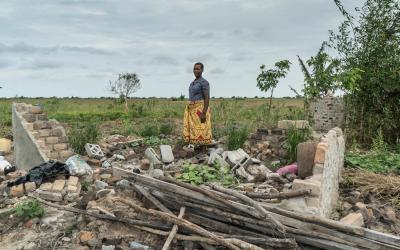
[[36, 138], [324, 180]]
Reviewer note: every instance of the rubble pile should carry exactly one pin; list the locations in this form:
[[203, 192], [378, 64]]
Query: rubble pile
[[124, 194]]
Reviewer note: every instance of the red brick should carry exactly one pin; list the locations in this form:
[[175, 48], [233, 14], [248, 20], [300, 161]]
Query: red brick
[[17, 191], [35, 110], [320, 153]]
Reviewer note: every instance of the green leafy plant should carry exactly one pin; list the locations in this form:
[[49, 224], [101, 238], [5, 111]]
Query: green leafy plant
[[378, 143], [267, 80], [149, 130], [200, 174], [293, 138], [154, 140], [380, 163], [29, 209], [83, 133], [166, 129], [237, 136], [85, 185]]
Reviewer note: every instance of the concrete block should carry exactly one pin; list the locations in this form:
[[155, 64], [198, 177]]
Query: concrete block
[[44, 132], [29, 126], [29, 117], [318, 168], [37, 125], [94, 151], [150, 154], [246, 161], [353, 219], [166, 153], [51, 196], [30, 187], [60, 146], [58, 186], [57, 132], [73, 181], [54, 156], [233, 157], [52, 140], [312, 185], [305, 158], [46, 186], [17, 191], [41, 143], [35, 109], [320, 152], [41, 117], [240, 171], [64, 154]]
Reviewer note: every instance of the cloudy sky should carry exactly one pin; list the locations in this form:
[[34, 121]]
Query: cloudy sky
[[74, 47]]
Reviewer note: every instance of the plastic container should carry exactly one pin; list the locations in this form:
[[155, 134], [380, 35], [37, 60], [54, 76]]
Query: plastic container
[[4, 164]]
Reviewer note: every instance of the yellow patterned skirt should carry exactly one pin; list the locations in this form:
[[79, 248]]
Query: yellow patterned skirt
[[195, 132]]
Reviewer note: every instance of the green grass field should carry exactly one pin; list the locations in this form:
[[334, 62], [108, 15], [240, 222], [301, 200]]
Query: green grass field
[[147, 114]]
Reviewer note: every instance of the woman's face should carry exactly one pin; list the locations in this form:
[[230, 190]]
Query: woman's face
[[197, 71]]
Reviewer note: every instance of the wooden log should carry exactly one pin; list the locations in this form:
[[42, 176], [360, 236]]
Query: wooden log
[[174, 230], [282, 195], [267, 215], [103, 216], [181, 222], [153, 200]]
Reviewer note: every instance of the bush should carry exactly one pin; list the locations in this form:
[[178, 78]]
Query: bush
[[81, 134], [294, 137], [236, 137], [149, 130], [166, 129], [29, 209]]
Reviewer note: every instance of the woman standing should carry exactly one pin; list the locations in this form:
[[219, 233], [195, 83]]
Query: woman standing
[[197, 119]]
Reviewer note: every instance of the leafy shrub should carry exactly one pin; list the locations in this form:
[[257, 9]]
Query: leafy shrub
[[29, 209], [200, 174], [378, 143], [236, 137], [294, 137], [154, 140], [166, 129], [380, 163], [81, 134], [149, 130]]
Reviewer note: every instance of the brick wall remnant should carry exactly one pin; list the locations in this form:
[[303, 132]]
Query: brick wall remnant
[[327, 113]]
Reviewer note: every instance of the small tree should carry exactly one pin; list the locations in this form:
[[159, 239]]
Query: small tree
[[268, 79], [125, 86]]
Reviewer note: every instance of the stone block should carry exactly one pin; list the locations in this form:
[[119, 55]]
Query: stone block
[[318, 168], [30, 187], [41, 143], [29, 117], [37, 125], [314, 186], [94, 151], [44, 132], [166, 153], [60, 146], [29, 126], [41, 117], [54, 155], [320, 152], [353, 219], [46, 186], [57, 132], [305, 158], [73, 181], [51, 196], [17, 191], [35, 109], [52, 140], [58, 186], [64, 154]]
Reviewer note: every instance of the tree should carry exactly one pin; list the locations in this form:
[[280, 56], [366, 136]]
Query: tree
[[125, 85], [269, 79], [370, 42]]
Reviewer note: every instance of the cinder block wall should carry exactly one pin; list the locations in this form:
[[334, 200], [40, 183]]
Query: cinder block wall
[[36, 138], [327, 113]]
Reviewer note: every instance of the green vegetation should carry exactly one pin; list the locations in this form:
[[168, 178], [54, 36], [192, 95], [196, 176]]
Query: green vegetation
[[236, 137], [154, 140], [29, 209], [200, 174], [83, 133], [380, 163], [294, 137]]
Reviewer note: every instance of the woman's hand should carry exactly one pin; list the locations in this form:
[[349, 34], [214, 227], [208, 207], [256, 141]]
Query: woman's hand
[[203, 117]]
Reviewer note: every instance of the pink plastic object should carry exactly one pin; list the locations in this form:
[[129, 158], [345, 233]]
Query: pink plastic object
[[288, 169]]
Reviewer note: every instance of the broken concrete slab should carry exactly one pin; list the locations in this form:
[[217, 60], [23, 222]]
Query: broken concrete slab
[[353, 219], [152, 156], [46, 195], [233, 157], [94, 151], [167, 155]]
